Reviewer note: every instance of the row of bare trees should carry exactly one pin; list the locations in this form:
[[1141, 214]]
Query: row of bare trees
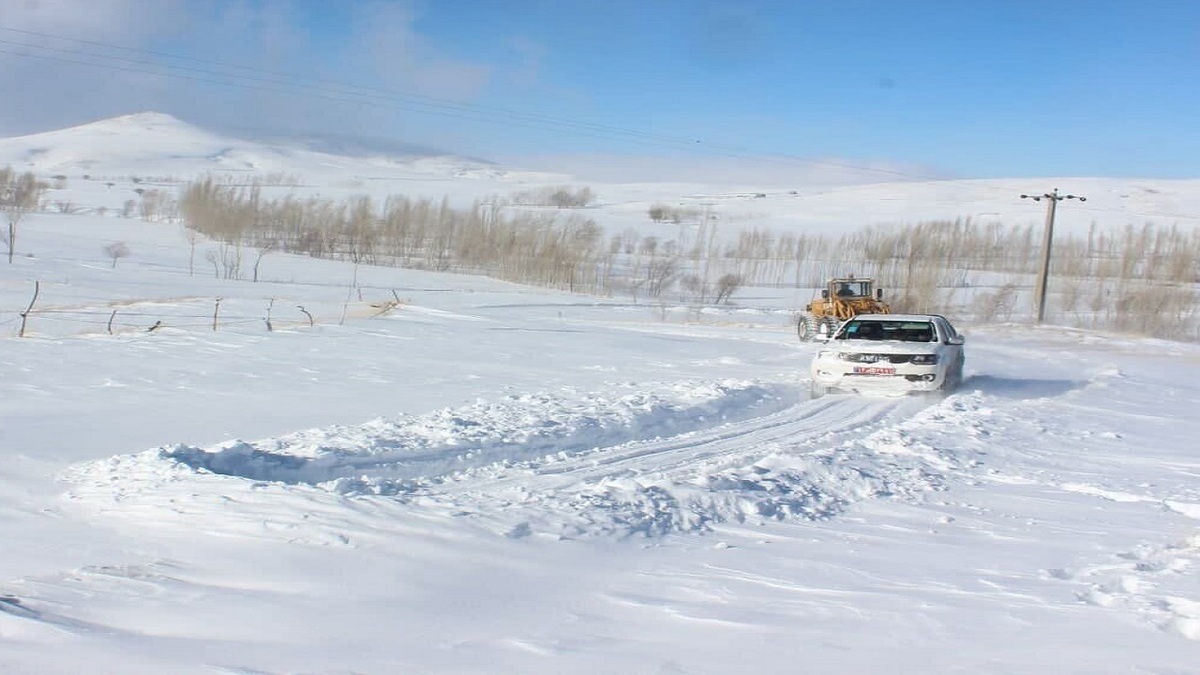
[[1133, 279], [661, 213], [526, 247], [560, 197], [1140, 279]]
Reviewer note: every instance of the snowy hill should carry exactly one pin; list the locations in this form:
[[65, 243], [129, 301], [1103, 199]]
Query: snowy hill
[[156, 144], [133, 143]]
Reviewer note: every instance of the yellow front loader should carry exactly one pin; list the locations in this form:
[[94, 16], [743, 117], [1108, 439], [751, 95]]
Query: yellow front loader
[[840, 300]]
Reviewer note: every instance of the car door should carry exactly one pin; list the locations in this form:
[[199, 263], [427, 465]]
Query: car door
[[951, 340]]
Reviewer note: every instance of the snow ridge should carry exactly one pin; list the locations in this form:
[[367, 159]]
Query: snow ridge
[[660, 459], [519, 429]]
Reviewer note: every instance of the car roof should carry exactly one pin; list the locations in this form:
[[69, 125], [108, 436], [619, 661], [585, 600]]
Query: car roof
[[900, 317]]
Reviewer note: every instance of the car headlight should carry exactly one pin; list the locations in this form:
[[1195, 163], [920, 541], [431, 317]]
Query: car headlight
[[925, 359]]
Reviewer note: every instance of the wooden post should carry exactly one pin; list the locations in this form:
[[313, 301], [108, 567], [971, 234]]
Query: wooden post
[[37, 288]]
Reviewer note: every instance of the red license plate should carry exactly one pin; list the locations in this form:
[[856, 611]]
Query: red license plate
[[874, 370]]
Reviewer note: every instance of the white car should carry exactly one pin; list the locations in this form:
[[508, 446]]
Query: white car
[[890, 353]]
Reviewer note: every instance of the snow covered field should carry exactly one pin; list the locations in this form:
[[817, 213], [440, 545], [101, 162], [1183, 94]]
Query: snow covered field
[[490, 478]]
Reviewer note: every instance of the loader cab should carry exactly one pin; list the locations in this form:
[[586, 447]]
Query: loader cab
[[850, 288]]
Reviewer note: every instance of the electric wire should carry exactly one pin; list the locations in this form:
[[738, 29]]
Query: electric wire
[[402, 102], [277, 82], [426, 104], [430, 100]]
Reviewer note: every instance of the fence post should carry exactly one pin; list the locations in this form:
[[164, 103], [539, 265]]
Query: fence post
[[37, 288]]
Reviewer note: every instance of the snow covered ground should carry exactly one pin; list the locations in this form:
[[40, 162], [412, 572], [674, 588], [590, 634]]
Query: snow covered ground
[[490, 478]]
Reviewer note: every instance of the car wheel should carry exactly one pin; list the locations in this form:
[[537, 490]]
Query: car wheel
[[953, 377], [816, 390]]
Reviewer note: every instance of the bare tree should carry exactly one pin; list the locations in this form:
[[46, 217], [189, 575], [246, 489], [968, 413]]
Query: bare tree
[[230, 257], [563, 197], [18, 195], [727, 285], [193, 237], [116, 251], [660, 274], [693, 284], [211, 256], [566, 198], [263, 249], [152, 202]]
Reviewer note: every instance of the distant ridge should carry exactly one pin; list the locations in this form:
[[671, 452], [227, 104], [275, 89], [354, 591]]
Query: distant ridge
[[158, 143]]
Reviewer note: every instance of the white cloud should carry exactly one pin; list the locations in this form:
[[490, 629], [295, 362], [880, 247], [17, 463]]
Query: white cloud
[[395, 56], [72, 61], [83, 19]]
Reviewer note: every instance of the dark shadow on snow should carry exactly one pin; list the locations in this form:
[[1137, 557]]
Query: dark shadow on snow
[[1019, 387], [398, 462]]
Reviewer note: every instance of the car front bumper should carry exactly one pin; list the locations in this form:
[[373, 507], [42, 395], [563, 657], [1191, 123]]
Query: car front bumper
[[908, 378]]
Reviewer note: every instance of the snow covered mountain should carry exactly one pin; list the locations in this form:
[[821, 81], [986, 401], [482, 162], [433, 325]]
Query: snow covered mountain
[[157, 144]]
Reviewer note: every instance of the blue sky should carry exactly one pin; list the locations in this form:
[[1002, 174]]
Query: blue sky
[[938, 87]]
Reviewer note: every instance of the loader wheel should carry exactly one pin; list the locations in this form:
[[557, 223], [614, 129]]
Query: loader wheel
[[807, 327], [831, 324]]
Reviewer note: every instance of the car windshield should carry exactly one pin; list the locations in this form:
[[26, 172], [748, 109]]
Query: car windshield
[[904, 331]]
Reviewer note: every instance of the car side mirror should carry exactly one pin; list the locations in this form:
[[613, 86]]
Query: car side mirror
[[957, 340]]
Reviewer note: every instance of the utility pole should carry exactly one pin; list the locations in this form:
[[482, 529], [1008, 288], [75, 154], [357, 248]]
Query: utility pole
[[1052, 200]]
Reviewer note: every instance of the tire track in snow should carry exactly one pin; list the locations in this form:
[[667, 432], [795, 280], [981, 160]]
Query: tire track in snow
[[823, 423], [813, 425], [791, 463], [520, 430], [653, 459]]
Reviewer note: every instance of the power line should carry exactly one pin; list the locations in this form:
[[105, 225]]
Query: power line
[[219, 73], [346, 93], [353, 89], [409, 101], [298, 89]]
